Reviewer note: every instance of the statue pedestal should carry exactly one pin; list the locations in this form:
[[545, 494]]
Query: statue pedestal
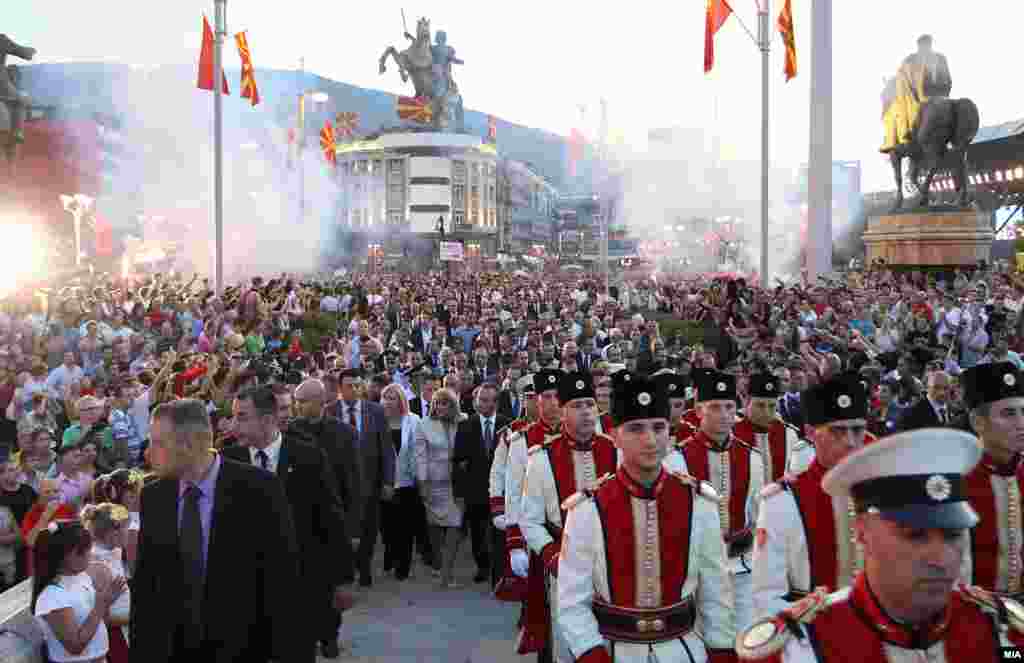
[[930, 238]]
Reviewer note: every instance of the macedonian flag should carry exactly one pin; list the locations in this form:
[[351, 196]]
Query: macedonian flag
[[328, 144], [788, 38], [416, 109], [717, 13], [249, 90]]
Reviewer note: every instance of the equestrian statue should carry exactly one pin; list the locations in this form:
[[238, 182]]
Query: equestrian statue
[[13, 102], [430, 68], [925, 127]]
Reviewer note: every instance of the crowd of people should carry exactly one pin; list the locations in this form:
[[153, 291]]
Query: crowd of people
[[151, 428]]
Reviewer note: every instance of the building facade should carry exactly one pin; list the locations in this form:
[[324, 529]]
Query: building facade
[[526, 209], [400, 192]]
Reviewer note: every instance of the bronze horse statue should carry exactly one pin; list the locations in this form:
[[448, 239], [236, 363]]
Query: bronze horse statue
[[12, 102], [943, 131], [415, 62]]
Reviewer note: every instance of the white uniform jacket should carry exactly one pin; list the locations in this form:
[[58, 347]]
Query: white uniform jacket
[[643, 548]]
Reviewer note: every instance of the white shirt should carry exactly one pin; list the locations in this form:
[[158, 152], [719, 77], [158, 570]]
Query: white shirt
[[483, 427], [273, 451], [75, 592]]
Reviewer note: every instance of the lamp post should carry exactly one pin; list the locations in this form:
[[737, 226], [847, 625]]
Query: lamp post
[[317, 98], [78, 206]]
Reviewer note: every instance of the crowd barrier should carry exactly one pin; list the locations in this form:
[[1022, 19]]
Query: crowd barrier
[[21, 639]]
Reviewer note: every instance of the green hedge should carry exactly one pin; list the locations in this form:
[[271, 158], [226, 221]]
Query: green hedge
[[316, 325], [693, 332]]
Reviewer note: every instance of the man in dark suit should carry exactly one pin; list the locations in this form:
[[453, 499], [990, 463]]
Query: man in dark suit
[[310, 485], [933, 410], [335, 438], [510, 402], [376, 465], [475, 442], [420, 405], [217, 570]]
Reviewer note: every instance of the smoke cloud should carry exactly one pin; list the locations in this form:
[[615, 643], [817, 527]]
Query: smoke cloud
[[165, 171], [685, 175]]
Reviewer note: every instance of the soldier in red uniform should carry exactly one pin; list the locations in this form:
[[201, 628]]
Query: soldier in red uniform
[[804, 537], [643, 554], [907, 605], [994, 393], [512, 586], [691, 418], [734, 470], [764, 429], [534, 620], [555, 471], [675, 387]]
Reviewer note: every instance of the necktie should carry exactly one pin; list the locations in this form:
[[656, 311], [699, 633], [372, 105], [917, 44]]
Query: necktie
[[193, 573], [487, 433], [261, 456], [352, 417]]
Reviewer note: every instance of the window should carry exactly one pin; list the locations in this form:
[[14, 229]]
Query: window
[[356, 218], [396, 218], [396, 166], [490, 194], [458, 219], [368, 217], [459, 196], [364, 166], [378, 168]]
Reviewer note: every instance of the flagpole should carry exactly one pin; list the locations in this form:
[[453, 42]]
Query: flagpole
[[764, 12], [819, 162], [219, 30]]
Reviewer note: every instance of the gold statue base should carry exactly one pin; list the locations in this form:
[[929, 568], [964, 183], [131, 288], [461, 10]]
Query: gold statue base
[[930, 238]]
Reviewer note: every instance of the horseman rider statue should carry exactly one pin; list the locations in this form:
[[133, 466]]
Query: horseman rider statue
[[923, 75]]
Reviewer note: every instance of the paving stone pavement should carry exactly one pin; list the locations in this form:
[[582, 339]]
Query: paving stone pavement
[[415, 621]]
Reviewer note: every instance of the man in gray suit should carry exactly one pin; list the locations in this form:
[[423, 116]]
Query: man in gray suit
[[376, 467]]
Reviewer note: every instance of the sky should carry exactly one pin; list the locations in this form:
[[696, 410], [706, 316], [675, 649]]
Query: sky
[[536, 62]]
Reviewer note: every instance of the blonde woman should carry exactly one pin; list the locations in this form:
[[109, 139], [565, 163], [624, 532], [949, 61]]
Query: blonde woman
[[435, 442], [107, 523], [402, 519]]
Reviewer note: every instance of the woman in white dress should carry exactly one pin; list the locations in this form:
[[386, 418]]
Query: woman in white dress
[[435, 441], [107, 523], [69, 607]]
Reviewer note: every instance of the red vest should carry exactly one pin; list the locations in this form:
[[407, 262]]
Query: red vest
[[746, 431], [855, 629], [985, 535], [564, 468], [675, 511], [815, 507], [696, 452]]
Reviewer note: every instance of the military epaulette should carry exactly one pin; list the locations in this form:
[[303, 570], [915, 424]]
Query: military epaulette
[[795, 429], [573, 500], [768, 636], [746, 445], [774, 488], [703, 488], [1009, 611]]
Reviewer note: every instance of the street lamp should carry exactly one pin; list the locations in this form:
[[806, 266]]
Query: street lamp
[[78, 206]]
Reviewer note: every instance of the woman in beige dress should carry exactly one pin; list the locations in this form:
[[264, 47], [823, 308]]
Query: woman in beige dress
[[435, 441]]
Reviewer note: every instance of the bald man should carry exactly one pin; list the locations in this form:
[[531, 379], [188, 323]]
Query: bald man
[[333, 436], [932, 411]]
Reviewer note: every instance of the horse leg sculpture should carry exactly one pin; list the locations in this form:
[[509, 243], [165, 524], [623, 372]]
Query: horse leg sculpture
[[896, 159], [960, 175]]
